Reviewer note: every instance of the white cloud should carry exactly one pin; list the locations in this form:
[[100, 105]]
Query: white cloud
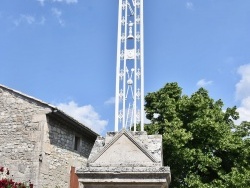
[[42, 21], [110, 101], [28, 19], [84, 114], [41, 2], [203, 83], [58, 13], [244, 110], [243, 93], [243, 86], [66, 1], [189, 5]]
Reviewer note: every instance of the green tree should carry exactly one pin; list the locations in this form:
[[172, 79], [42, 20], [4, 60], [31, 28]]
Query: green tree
[[201, 143]]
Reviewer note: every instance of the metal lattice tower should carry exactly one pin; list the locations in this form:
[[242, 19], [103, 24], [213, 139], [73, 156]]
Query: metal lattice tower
[[129, 102]]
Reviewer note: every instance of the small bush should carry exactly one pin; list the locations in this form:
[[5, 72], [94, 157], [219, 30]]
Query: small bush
[[7, 182]]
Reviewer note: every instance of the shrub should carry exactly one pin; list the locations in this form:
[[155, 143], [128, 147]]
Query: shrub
[[7, 182]]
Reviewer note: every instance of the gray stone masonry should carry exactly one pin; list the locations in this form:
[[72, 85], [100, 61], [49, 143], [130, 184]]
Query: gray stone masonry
[[126, 159], [37, 146], [21, 131], [59, 154]]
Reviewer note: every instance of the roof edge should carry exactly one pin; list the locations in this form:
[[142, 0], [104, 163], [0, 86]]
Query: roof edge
[[54, 109]]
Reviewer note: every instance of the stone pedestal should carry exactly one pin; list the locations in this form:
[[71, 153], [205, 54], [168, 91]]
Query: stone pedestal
[[126, 159]]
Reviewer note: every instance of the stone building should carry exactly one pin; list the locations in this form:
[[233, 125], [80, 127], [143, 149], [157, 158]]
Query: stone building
[[39, 142]]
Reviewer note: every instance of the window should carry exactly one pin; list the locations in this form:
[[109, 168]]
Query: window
[[77, 143]]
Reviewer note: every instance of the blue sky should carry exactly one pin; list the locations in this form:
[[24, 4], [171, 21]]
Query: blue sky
[[64, 52]]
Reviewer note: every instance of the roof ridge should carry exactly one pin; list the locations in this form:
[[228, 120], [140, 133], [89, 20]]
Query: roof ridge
[[27, 96], [54, 108]]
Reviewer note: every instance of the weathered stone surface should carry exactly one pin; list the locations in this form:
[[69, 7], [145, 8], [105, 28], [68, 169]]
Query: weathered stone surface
[[123, 149], [34, 145], [126, 159]]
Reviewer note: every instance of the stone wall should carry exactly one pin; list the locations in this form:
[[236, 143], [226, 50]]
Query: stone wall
[[59, 154], [63, 136], [35, 146], [21, 127]]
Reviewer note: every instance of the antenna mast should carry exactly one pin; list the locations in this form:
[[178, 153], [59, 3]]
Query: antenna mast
[[129, 99]]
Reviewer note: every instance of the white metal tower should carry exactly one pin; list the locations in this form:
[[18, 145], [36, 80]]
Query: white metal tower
[[129, 102]]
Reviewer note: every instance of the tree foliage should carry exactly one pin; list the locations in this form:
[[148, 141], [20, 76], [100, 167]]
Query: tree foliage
[[201, 143]]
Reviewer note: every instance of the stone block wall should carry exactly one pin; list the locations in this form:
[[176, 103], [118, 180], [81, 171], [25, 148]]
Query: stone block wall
[[35, 146], [21, 129], [63, 136], [59, 154]]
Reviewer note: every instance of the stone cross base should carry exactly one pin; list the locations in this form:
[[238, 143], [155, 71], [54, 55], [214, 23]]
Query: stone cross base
[[126, 159]]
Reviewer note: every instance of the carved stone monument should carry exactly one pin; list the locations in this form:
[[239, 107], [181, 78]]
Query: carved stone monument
[[126, 159]]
